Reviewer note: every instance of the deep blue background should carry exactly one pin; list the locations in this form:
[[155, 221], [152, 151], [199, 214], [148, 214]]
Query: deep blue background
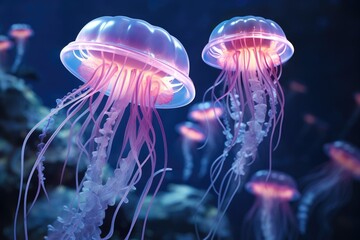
[[325, 34]]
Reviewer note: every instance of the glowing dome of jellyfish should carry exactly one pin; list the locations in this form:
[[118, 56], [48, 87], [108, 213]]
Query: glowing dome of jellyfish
[[248, 36], [191, 134], [250, 52], [205, 111], [134, 44], [329, 188], [273, 185], [271, 217], [21, 31], [346, 156], [129, 68], [191, 131]]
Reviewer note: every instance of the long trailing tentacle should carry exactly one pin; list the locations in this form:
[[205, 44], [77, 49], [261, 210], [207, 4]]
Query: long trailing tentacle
[[81, 93], [324, 186]]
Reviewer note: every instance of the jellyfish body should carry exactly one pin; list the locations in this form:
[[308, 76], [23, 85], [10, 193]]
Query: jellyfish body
[[5, 44], [140, 67], [250, 52], [20, 32], [330, 187], [270, 217], [191, 133], [208, 115]]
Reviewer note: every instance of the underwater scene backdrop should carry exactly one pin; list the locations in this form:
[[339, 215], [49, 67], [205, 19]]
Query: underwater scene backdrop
[[199, 119]]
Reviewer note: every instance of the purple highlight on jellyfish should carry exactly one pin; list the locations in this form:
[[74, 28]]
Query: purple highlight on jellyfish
[[208, 115], [139, 67], [250, 52], [330, 187], [20, 32], [271, 217], [191, 134]]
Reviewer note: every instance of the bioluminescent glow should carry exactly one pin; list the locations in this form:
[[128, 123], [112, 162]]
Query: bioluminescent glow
[[140, 67], [329, 188], [250, 52], [271, 217]]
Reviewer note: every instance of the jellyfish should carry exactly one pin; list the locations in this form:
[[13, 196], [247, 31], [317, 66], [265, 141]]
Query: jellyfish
[[208, 115], [250, 52], [329, 188], [297, 87], [271, 217], [129, 69], [5, 44], [191, 134], [20, 32]]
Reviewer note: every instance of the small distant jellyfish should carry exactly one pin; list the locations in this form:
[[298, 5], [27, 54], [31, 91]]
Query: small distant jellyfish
[[208, 115], [5, 45], [271, 217], [329, 188], [129, 69], [297, 87], [20, 32], [191, 134], [250, 52]]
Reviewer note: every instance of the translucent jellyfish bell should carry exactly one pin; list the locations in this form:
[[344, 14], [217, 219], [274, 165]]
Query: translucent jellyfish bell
[[21, 31], [273, 185], [346, 156], [191, 134], [242, 33], [134, 44], [330, 187], [271, 217], [191, 131], [205, 111], [129, 68]]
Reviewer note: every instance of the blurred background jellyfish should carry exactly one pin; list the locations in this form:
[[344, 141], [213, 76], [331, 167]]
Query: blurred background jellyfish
[[250, 52], [208, 115], [139, 67], [330, 187], [191, 134], [5, 45], [20, 32], [271, 217]]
